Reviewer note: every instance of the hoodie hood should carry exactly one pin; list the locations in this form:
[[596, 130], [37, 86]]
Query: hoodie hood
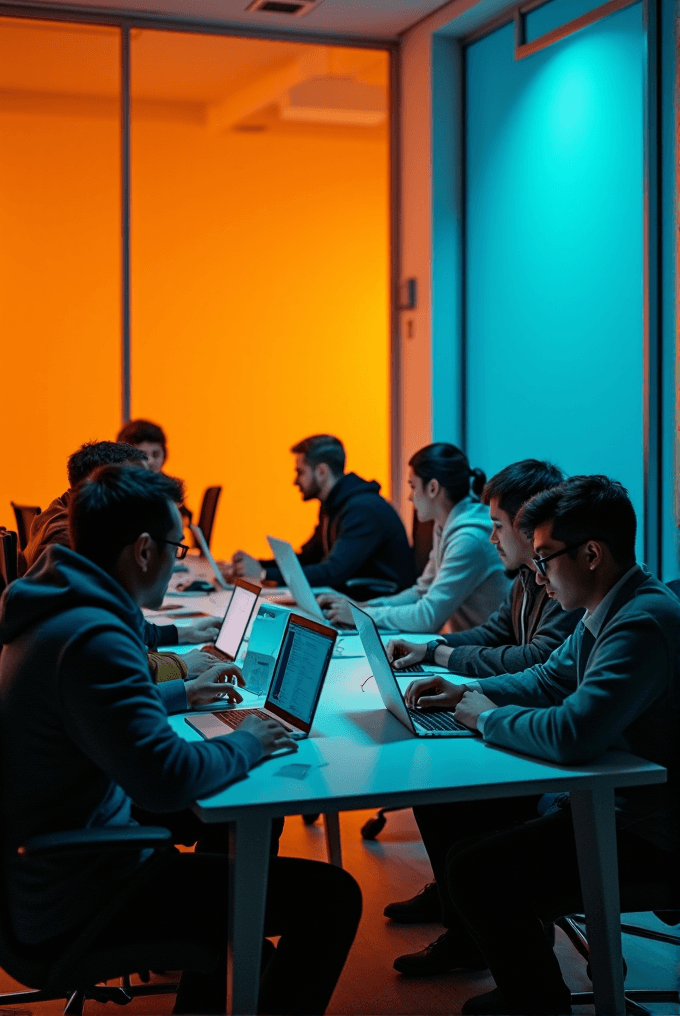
[[62, 580], [348, 487]]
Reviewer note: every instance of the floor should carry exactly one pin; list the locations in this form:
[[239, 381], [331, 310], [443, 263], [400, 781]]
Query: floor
[[395, 867]]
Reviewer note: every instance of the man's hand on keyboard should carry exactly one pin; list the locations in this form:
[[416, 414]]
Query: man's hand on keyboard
[[205, 630], [336, 608], [471, 706], [215, 683], [402, 653], [271, 735], [433, 693]]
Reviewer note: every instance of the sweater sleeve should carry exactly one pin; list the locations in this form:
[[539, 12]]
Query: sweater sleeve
[[628, 668], [115, 714], [156, 635], [463, 563], [311, 552], [504, 655]]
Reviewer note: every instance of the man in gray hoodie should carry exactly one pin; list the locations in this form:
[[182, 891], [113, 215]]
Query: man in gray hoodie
[[77, 701], [614, 683]]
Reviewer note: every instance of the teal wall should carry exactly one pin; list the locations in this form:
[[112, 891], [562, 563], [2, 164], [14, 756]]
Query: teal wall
[[554, 249]]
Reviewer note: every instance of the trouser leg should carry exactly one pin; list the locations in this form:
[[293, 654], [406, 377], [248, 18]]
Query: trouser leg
[[443, 825], [187, 829]]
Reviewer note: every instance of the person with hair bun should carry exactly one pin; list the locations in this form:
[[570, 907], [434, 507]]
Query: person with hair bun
[[463, 581]]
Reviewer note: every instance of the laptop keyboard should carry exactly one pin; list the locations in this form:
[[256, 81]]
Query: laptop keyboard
[[435, 721], [415, 668], [233, 717]]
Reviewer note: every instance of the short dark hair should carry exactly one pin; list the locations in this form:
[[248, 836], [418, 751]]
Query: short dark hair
[[322, 448], [100, 453], [586, 508], [450, 467], [520, 481], [136, 431], [117, 504]]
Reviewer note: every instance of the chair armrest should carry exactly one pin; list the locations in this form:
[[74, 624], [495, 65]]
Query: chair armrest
[[105, 838]]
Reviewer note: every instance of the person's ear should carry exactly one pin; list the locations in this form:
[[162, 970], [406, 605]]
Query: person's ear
[[432, 488], [322, 472], [594, 553], [142, 549]]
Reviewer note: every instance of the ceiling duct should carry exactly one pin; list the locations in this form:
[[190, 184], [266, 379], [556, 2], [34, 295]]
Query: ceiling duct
[[297, 8], [334, 100]]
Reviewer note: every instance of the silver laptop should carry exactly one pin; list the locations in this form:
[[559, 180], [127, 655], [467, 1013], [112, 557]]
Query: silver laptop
[[295, 578], [236, 620], [438, 723], [205, 550], [301, 667]]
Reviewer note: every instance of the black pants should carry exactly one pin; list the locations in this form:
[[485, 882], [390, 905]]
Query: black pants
[[187, 829], [314, 907], [502, 875]]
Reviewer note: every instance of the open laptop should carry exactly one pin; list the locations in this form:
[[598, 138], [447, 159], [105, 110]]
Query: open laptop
[[301, 667], [438, 723], [295, 579], [236, 620], [205, 550]]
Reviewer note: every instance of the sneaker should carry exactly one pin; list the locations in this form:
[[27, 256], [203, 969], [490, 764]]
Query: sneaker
[[422, 908], [438, 957]]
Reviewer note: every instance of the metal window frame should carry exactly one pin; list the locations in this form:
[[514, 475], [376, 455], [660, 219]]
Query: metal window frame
[[125, 22], [652, 380]]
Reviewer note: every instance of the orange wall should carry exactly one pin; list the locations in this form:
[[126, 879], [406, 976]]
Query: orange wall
[[260, 283], [259, 312]]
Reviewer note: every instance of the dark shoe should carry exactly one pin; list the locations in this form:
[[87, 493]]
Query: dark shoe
[[424, 907], [492, 1003], [438, 957]]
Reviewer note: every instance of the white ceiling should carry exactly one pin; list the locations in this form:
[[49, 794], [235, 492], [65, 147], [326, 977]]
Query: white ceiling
[[376, 19]]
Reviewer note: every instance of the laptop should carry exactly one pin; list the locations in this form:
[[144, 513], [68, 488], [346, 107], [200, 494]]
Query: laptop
[[205, 550], [295, 579], [236, 620], [440, 723], [301, 668]]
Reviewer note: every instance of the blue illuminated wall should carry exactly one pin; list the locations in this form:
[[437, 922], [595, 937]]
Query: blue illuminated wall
[[554, 249]]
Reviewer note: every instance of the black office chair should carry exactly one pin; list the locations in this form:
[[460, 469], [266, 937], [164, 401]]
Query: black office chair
[[421, 539], [206, 519], [360, 589], [658, 897], [8, 557], [75, 972], [24, 514]]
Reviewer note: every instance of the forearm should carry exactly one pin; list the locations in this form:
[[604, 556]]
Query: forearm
[[156, 635], [485, 662]]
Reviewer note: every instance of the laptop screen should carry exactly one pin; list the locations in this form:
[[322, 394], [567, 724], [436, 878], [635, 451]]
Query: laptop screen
[[235, 623], [301, 666]]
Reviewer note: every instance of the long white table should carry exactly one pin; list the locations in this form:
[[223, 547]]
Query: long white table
[[360, 757]]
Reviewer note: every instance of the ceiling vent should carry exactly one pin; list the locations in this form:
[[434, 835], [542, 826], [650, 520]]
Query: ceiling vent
[[295, 7]]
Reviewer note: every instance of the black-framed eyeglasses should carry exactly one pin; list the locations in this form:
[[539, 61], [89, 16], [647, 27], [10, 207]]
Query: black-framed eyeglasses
[[182, 548], [541, 562]]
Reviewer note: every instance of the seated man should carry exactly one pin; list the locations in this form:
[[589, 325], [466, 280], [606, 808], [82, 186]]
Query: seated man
[[75, 692], [501, 871], [524, 631], [359, 534], [149, 438], [51, 526]]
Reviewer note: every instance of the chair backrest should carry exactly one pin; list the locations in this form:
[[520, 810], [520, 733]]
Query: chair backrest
[[206, 519], [24, 514], [421, 534], [8, 557]]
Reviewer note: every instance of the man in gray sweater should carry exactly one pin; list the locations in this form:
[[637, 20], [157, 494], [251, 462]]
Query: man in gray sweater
[[612, 684], [528, 626]]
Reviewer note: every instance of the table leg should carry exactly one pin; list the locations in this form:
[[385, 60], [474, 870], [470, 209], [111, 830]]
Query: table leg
[[249, 845], [595, 832], [331, 824]]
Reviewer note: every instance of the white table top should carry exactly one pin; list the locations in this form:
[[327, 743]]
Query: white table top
[[359, 753]]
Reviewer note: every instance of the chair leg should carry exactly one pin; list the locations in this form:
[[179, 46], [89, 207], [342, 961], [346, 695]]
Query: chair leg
[[374, 826], [75, 1003], [331, 824]]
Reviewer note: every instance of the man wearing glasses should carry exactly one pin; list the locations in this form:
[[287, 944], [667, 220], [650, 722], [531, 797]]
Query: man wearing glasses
[[501, 870]]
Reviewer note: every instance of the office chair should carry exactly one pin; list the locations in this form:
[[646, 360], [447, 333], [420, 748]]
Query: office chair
[[360, 589], [75, 971], [24, 514], [8, 557], [206, 519], [658, 897]]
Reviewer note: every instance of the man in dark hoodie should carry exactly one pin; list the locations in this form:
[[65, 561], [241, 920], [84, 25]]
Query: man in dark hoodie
[[76, 698], [359, 534]]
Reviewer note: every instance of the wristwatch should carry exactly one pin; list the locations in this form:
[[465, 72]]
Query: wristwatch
[[431, 647]]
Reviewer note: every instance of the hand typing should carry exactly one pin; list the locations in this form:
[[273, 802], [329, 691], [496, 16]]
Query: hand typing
[[271, 735], [215, 683], [433, 693], [405, 654]]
